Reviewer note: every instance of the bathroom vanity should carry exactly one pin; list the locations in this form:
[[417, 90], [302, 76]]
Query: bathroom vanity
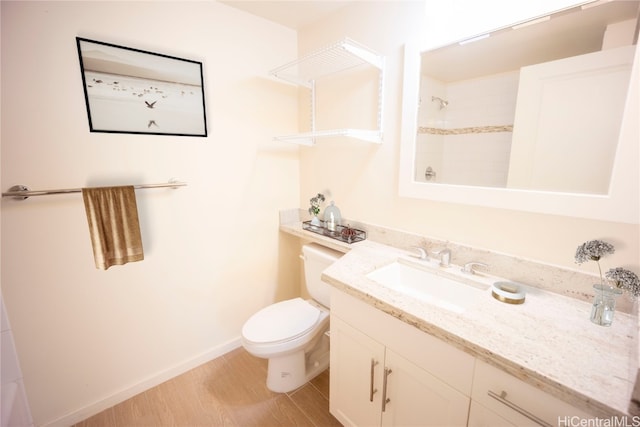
[[549, 355], [398, 360], [386, 372]]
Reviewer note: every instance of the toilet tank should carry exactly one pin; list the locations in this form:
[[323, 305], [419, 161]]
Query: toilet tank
[[316, 259]]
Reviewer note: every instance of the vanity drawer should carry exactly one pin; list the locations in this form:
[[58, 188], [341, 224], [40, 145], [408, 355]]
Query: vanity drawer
[[518, 402]]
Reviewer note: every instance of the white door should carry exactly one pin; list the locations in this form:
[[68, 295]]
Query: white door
[[567, 122]]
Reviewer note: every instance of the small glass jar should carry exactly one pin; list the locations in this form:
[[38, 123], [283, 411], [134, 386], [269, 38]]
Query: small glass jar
[[332, 217], [604, 304]]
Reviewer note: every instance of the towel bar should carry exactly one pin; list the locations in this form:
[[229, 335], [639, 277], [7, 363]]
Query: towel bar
[[21, 192]]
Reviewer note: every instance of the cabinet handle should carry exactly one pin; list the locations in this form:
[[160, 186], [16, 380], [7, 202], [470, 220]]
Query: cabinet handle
[[385, 400], [371, 389], [502, 398]]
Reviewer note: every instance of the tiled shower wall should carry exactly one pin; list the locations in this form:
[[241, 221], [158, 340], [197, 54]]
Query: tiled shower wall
[[460, 141]]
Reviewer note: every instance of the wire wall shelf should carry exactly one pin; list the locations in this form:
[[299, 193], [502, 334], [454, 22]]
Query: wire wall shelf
[[308, 138], [341, 56]]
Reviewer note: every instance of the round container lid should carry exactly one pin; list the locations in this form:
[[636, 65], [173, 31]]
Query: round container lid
[[282, 321], [509, 292]]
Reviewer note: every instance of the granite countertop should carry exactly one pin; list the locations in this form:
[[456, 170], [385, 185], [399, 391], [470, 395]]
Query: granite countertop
[[548, 341]]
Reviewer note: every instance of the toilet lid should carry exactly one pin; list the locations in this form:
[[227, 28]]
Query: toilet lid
[[282, 321]]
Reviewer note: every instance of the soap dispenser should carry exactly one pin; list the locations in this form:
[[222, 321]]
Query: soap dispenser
[[332, 217]]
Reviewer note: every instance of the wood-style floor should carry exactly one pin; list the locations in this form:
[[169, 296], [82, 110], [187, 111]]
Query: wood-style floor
[[228, 391]]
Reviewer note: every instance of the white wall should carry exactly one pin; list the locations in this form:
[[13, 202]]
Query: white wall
[[15, 407], [87, 338], [363, 178]]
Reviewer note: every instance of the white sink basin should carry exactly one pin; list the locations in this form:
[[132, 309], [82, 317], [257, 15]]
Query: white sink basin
[[429, 285]]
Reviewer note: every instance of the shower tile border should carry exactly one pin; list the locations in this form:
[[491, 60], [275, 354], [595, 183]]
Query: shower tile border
[[465, 130]]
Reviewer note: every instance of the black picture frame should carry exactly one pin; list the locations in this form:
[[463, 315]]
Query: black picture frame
[[134, 91]]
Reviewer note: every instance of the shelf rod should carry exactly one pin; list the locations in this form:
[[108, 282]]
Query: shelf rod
[[21, 192]]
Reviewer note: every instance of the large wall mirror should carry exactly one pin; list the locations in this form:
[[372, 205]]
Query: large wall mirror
[[539, 116]]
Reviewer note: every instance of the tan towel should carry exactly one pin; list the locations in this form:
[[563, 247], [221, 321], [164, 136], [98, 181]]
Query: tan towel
[[112, 214]]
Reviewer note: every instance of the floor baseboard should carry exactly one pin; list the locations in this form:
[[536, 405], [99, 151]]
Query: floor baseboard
[[159, 378]]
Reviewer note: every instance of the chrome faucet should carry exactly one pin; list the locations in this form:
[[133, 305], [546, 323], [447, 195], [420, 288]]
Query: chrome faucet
[[445, 256], [468, 267], [421, 253]]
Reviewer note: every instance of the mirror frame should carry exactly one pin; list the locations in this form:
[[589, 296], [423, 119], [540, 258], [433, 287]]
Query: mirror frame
[[621, 204]]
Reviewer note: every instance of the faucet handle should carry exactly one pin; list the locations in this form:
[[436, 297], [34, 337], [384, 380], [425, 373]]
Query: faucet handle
[[421, 252], [445, 256], [468, 267], [441, 250]]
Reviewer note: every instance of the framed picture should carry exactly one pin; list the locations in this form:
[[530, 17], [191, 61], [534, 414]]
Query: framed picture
[[133, 91]]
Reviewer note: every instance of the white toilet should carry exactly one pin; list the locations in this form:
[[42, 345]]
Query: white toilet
[[291, 333]]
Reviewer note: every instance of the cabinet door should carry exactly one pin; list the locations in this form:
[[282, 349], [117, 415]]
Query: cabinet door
[[357, 363], [417, 398], [479, 416]]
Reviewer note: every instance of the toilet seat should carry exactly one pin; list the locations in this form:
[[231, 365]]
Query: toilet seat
[[281, 322]]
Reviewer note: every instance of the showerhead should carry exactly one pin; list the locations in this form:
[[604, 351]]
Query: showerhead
[[442, 102]]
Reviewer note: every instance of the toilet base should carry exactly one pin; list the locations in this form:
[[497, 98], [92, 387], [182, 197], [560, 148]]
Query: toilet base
[[287, 373]]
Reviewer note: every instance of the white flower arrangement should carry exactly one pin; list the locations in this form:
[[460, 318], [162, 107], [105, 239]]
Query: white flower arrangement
[[624, 279], [593, 250], [314, 209]]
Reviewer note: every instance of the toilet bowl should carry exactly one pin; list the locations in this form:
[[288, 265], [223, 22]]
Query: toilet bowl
[[292, 334]]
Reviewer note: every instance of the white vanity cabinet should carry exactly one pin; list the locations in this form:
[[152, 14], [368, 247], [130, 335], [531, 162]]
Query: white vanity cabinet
[[385, 372], [411, 379], [502, 399]]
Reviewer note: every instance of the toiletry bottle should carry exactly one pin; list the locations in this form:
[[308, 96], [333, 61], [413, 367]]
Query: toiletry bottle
[[331, 224]]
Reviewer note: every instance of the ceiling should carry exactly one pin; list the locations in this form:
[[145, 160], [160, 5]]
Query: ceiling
[[571, 32], [548, 38], [293, 14]]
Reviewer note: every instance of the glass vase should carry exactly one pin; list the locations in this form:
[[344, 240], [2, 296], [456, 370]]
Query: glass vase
[[315, 221], [604, 304]]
